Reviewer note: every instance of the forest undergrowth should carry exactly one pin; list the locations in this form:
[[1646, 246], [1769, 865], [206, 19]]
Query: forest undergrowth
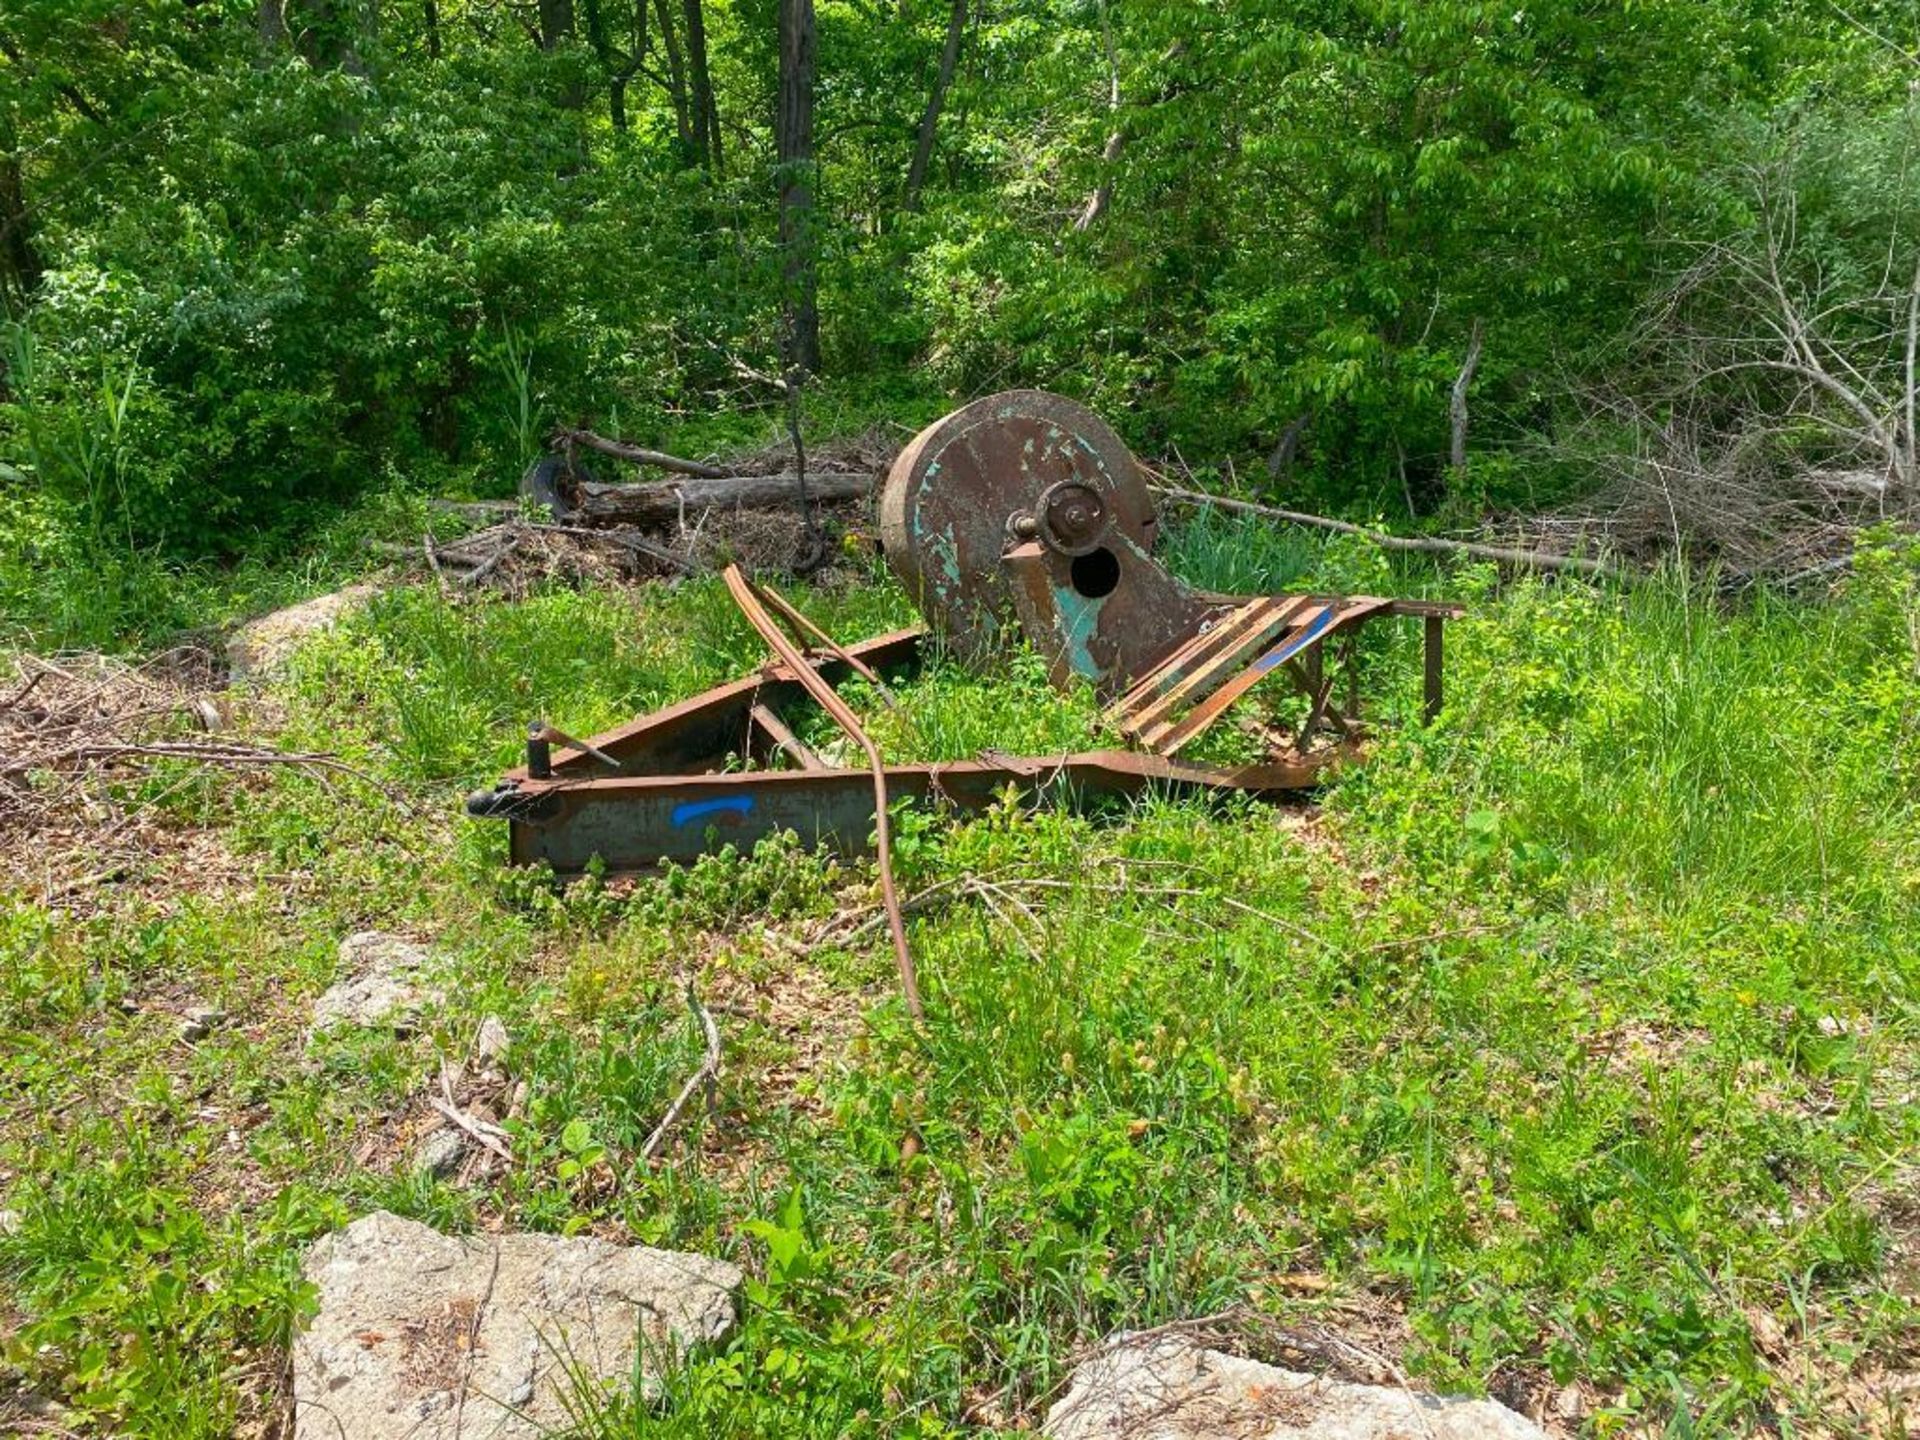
[[1564, 1050]]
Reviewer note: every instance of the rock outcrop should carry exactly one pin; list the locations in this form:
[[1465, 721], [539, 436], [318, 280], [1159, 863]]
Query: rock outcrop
[[437, 1337], [261, 645], [1170, 1388]]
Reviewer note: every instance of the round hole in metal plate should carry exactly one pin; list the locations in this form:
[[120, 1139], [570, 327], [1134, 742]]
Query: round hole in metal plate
[[1095, 574]]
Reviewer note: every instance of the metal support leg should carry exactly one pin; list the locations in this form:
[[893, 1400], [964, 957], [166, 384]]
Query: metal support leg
[[1350, 660], [1435, 627]]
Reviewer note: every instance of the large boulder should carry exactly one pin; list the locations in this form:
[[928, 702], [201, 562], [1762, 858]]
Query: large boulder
[[437, 1337], [1171, 1388], [263, 644]]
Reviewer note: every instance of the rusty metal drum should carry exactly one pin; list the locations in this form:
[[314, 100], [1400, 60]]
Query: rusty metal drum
[[1023, 464]]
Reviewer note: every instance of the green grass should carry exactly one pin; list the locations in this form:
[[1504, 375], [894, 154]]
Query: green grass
[[1572, 1042]]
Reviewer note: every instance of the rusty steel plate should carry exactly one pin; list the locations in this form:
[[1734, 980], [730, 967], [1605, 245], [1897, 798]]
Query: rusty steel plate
[[950, 497]]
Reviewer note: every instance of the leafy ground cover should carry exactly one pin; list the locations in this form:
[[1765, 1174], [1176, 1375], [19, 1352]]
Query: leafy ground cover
[[1566, 1049]]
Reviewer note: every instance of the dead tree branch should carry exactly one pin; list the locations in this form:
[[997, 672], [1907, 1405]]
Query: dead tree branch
[[1102, 194], [566, 437], [1424, 544], [1457, 400], [703, 1077]]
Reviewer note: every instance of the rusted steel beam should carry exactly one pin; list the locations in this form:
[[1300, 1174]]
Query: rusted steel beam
[[1230, 662], [1434, 626], [1333, 620], [747, 596], [702, 731], [1205, 646], [783, 738], [638, 822]]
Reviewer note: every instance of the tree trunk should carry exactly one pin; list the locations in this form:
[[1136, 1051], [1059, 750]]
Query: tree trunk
[[433, 29], [1912, 376], [936, 98], [706, 114], [270, 24], [617, 65], [557, 27], [602, 502], [1102, 194], [617, 103], [330, 34], [20, 266], [1280, 460], [556, 23], [1457, 402], [794, 135], [690, 147]]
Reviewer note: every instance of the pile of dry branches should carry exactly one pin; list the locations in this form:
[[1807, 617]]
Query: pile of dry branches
[[517, 553], [577, 528], [1766, 404], [74, 729], [69, 715]]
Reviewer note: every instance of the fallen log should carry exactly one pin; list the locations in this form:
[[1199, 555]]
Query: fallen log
[[598, 502]]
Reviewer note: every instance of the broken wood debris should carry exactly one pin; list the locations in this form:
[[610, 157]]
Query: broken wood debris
[[72, 720], [602, 503], [1417, 544]]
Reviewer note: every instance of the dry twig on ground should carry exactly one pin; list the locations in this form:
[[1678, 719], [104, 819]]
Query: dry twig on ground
[[702, 1078]]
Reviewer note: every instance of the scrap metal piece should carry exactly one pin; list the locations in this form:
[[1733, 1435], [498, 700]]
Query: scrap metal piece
[[748, 597], [768, 722], [678, 796], [637, 822], [980, 528], [1022, 509], [948, 501], [1105, 616], [1316, 625]]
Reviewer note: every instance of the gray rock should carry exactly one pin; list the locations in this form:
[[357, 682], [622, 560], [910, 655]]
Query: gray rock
[[433, 1337], [385, 984], [1170, 1388], [264, 644], [1569, 1403], [440, 1154], [10, 1222], [199, 1021], [492, 1044]]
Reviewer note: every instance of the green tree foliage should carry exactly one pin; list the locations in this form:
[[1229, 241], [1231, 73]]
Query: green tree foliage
[[314, 243]]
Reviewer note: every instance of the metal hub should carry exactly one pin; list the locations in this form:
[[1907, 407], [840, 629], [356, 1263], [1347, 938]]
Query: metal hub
[[1073, 518], [1037, 464]]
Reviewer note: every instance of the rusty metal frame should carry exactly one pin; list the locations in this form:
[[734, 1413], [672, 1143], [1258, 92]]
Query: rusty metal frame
[[1022, 509], [671, 800], [753, 603]]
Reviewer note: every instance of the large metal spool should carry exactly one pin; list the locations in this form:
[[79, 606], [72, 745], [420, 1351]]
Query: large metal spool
[[1020, 465]]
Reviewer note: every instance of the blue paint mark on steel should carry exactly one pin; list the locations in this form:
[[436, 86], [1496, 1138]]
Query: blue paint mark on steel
[[1283, 653], [689, 811]]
